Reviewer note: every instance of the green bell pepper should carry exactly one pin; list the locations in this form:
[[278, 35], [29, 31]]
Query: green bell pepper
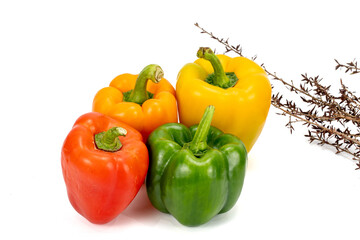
[[195, 173]]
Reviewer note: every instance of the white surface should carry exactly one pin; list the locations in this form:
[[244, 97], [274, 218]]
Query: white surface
[[54, 57]]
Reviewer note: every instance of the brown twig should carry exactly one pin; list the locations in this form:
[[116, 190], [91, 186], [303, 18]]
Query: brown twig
[[351, 67]]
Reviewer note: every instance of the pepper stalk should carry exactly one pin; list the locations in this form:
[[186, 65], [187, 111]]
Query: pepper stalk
[[109, 140], [199, 143], [219, 78], [139, 94]]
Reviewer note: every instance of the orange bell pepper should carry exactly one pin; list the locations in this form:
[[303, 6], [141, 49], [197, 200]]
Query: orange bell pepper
[[135, 101]]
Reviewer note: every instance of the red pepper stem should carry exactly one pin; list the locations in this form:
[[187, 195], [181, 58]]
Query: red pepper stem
[[220, 78], [109, 140], [139, 94], [199, 143]]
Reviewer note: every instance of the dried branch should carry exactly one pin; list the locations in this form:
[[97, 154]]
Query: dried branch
[[330, 120], [237, 49], [351, 67]]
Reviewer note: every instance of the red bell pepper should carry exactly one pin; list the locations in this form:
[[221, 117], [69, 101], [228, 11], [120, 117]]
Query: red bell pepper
[[103, 170]]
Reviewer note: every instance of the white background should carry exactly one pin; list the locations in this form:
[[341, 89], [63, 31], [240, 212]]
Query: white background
[[54, 57]]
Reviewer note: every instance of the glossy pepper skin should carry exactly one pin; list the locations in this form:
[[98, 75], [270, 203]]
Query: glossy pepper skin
[[141, 110], [101, 183], [195, 173], [241, 109]]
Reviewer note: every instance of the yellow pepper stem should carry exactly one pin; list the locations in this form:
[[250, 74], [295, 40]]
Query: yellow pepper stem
[[219, 78], [139, 94], [199, 143]]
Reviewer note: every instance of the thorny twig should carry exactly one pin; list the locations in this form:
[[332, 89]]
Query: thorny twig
[[331, 120]]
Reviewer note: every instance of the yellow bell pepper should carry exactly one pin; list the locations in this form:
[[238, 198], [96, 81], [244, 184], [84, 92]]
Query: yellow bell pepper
[[237, 87]]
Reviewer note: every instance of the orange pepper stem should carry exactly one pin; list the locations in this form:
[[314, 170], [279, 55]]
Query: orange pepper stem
[[220, 79], [109, 141], [139, 94], [199, 143]]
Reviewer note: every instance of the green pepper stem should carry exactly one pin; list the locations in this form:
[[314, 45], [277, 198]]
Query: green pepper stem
[[139, 94], [220, 78], [199, 143], [109, 140]]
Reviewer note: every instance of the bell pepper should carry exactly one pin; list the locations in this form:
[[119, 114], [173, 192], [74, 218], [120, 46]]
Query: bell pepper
[[135, 101], [237, 87], [195, 173], [104, 164]]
